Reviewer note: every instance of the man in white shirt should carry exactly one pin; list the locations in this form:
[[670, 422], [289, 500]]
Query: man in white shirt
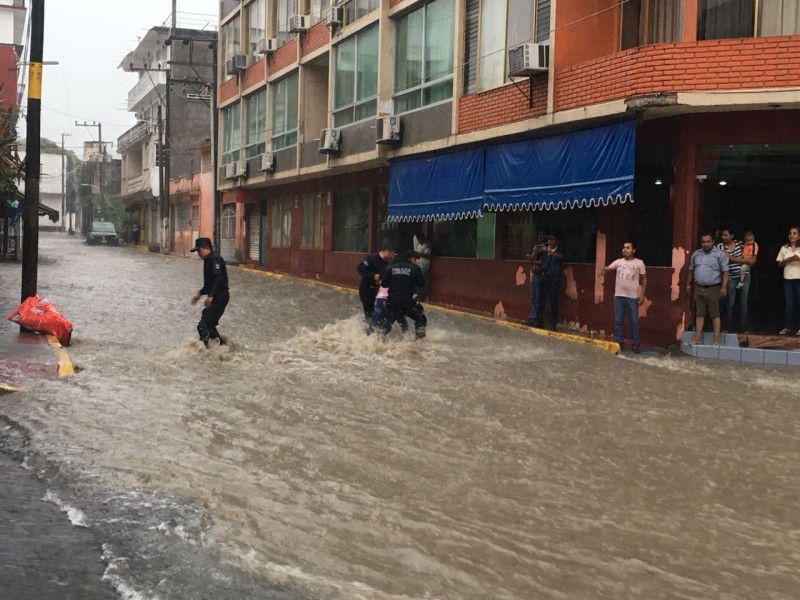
[[629, 291]]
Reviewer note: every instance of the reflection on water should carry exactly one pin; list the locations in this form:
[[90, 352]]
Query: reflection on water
[[484, 462]]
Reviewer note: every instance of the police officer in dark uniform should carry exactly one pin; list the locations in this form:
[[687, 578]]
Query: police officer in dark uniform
[[215, 289], [371, 269], [402, 278]]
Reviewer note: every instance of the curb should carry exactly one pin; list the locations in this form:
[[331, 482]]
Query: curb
[[610, 347], [65, 367]]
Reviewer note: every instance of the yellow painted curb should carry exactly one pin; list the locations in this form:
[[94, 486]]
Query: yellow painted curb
[[65, 367], [610, 347], [8, 389]]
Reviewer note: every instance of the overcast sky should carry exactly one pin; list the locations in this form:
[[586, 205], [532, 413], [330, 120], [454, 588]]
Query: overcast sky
[[89, 39]]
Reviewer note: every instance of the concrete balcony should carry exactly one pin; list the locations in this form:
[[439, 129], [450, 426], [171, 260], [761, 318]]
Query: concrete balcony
[[147, 83], [134, 135]]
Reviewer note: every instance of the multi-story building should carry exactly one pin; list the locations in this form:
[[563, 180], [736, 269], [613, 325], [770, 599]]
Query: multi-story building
[[481, 123], [175, 72], [50, 188], [13, 14]]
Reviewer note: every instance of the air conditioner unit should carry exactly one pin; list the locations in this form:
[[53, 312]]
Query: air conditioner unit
[[528, 59], [230, 171], [267, 45], [298, 23], [241, 168], [238, 62], [267, 162], [387, 130], [329, 141], [334, 16]]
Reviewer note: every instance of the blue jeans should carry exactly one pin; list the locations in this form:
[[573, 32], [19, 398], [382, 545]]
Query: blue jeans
[[791, 294], [550, 286], [737, 297], [534, 318], [621, 306]]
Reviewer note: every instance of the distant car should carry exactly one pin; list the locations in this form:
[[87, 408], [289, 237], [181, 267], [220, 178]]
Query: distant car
[[102, 232]]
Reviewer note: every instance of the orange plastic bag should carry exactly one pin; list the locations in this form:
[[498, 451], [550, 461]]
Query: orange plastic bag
[[37, 314]]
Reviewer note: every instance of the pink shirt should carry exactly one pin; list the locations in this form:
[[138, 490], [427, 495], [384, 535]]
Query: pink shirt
[[628, 275]]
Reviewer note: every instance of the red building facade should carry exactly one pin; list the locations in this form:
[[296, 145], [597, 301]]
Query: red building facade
[[714, 98]]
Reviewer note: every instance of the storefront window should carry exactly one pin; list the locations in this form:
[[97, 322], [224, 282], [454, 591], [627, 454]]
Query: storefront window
[[313, 211], [350, 221], [465, 238], [282, 223]]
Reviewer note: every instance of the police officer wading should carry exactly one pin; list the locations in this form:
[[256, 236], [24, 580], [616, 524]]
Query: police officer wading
[[215, 289], [402, 277], [371, 270]]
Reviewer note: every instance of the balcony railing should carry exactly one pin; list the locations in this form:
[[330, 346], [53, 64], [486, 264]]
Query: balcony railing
[[146, 84], [134, 135]]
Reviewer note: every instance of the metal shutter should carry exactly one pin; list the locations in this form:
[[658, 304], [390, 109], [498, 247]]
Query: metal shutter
[[255, 235]]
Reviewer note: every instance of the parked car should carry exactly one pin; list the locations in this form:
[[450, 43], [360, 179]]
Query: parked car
[[102, 232]]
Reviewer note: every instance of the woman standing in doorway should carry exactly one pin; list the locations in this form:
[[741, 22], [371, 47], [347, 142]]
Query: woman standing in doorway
[[789, 260]]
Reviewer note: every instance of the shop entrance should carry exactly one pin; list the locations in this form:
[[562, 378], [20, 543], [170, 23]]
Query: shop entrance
[[754, 187]]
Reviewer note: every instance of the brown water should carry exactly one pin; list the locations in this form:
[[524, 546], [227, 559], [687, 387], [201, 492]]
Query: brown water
[[307, 460]]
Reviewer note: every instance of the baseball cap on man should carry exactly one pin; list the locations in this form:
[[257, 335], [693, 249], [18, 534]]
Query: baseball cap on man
[[202, 243]]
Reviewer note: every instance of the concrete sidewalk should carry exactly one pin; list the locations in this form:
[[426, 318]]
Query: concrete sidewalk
[[42, 555], [26, 356]]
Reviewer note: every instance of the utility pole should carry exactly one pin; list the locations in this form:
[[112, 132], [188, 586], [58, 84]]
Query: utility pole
[[30, 230], [161, 159], [214, 144], [102, 166], [63, 185]]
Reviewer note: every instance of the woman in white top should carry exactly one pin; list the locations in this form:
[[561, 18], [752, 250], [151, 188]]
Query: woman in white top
[[789, 260]]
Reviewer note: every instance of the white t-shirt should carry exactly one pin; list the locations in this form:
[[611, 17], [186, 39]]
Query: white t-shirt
[[792, 269], [628, 275]]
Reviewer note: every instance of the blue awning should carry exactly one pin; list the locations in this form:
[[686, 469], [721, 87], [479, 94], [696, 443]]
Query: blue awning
[[592, 167], [442, 187]]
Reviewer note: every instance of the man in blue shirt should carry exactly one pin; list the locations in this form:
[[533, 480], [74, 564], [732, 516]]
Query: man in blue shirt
[[551, 257], [708, 269]]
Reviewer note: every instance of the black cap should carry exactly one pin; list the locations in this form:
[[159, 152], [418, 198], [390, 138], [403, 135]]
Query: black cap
[[409, 255], [202, 243]]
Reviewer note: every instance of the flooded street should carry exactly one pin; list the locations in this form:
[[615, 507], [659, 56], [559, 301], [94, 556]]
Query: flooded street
[[307, 461]]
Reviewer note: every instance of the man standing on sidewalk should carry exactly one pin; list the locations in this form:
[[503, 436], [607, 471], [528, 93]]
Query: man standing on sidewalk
[[708, 269], [627, 294], [215, 289]]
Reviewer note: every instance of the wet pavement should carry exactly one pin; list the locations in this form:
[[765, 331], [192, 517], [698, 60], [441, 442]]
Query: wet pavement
[[306, 461]]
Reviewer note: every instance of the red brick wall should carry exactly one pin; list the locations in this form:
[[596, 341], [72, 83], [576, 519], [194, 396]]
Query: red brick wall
[[283, 57], [228, 89], [315, 38], [681, 67], [502, 105], [255, 74], [8, 76]]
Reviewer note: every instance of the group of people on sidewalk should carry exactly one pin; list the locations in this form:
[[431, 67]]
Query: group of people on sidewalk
[[391, 288], [720, 276], [546, 259]]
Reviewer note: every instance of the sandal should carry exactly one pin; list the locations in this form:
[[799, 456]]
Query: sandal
[[784, 331]]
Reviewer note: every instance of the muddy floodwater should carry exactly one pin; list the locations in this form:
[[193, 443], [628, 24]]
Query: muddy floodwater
[[307, 461]]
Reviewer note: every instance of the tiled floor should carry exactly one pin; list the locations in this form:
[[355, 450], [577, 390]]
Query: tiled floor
[[730, 350]]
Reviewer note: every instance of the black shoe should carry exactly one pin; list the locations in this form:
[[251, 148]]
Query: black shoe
[[637, 350]]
